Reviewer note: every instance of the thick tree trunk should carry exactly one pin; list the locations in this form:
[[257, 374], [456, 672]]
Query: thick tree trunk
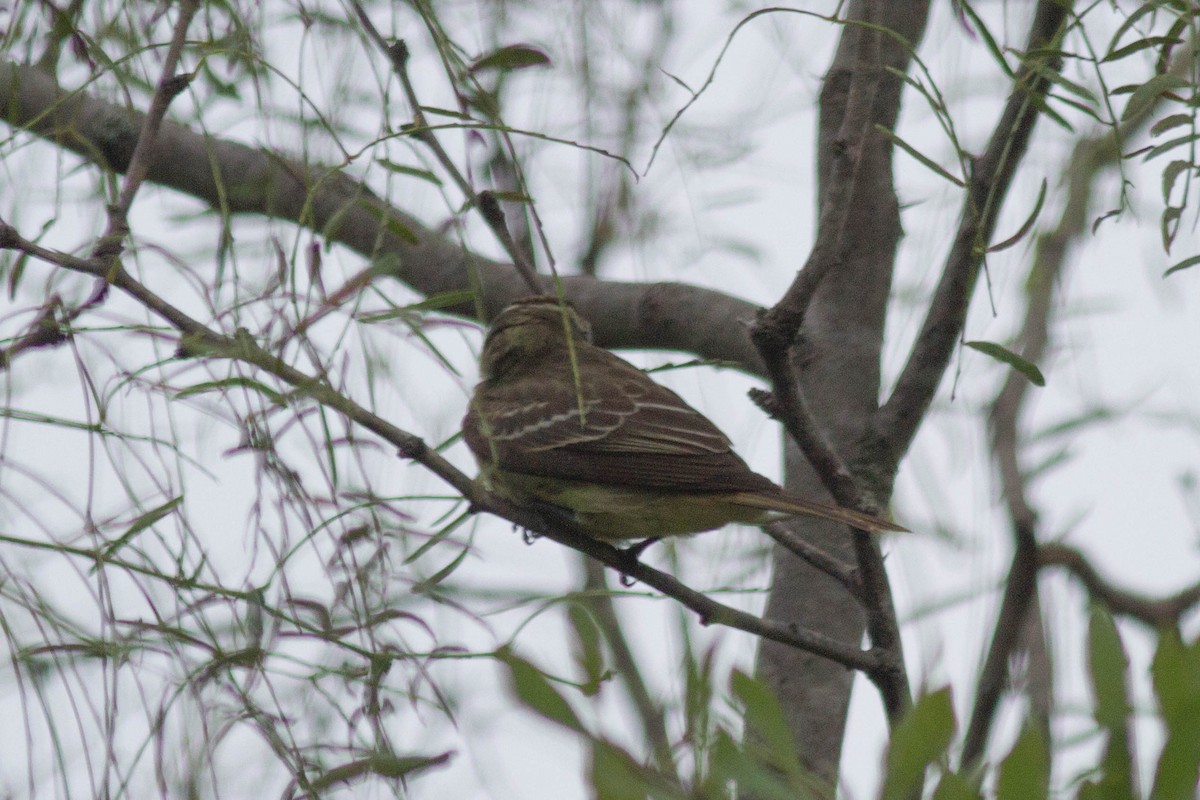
[[838, 361]]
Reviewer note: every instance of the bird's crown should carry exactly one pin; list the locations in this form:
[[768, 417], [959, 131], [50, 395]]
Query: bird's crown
[[528, 330], [541, 310]]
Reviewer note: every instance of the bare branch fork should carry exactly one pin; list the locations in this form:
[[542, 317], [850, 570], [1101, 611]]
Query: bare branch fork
[[774, 333]]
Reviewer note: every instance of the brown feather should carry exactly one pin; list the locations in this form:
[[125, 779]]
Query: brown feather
[[633, 432], [583, 416]]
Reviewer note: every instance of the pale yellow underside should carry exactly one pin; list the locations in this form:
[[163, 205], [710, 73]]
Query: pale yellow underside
[[613, 513]]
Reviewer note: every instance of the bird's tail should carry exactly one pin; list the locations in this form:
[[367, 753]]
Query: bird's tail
[[789, 506]]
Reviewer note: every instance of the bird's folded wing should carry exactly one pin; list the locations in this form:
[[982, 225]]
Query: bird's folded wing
[[632, 432]]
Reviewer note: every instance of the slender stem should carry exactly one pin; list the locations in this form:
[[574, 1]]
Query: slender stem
[[830, 565], [168, 87]]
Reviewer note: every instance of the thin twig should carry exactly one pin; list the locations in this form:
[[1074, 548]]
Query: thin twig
[[43, 331], [485, 202], [1157, 612], [168, 87], [1020, 589], [833, 567]]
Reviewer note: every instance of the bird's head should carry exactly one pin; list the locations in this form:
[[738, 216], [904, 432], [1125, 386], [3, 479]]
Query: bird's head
[[530, 327]]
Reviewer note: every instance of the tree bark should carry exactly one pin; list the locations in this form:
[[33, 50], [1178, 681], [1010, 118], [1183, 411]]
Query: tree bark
[[838, 363]]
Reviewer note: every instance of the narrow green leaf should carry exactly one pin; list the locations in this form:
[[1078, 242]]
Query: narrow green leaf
[[531, 688], [1138, 46], [391, 223], [387, 765], [232, 383], [1170, 121], [729, 762], [1006, 356], [1171, 174], [988, 39], [1176, 674], [1182, 265], [15, 274], [1130, 20], [1026, 226], [454, 297], [588, 649], [1151, 153], [1047, 464], [437, 538], [1051, 113], [1090, 111], [919, 740], [513, 197], [1073, 424], [919, 156], [953, 786], [433, 580], [698, 694], [142, 523], [1025, 772], [1079, 90], [447, 112], [415, 172], [1107, 215], [764, 720], [1148, 93], [514, 56], [1169, 227], [616, 775], [1108, 666]]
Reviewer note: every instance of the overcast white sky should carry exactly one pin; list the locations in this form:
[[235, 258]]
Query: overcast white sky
[[1125, 342]]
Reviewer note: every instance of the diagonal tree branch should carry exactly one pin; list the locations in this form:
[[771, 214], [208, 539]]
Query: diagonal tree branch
[[1156, 612], [897, 421], [836, 358], [775, 330]]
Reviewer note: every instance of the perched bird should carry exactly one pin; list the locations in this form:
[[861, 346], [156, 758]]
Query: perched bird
[[559, 421]]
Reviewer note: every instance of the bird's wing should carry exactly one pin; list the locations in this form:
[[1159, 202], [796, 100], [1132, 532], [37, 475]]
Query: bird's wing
[[632, 432]]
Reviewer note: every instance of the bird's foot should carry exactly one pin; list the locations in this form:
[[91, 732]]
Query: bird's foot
[[527, 536], [630, 556], [634, 551], [548, 512]]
